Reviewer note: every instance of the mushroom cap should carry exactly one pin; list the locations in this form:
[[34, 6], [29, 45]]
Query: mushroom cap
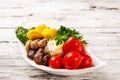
[[27, 45]]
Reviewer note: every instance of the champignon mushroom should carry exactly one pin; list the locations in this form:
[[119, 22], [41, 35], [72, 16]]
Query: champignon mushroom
[[45, 59], [31, 54], [27, 45], [42, 42], [34, 44], [46, 51], [38, 56]]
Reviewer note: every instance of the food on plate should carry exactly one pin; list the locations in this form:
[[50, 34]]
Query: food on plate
[[45, 59], [41, 27], [31, 54], [41, 31], [74, 44], [27, 45], [46, 51], [86, 61], [55, 48], [42, 42], [37, 51], [36, 32], [35, 44], [38, 56], [33, 34], [72, 60], [55, 62], [49, 33], [21, 34], [64, 33]]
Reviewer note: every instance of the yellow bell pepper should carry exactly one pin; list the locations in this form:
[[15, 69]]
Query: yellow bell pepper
[[49, 33], [52, 32], [41, 27], [45, 33], [41, 31], [33, 34]]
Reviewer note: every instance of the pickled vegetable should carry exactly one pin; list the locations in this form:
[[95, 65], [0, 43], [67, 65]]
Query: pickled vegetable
[[34, 34], [41, 27], [49, 33]]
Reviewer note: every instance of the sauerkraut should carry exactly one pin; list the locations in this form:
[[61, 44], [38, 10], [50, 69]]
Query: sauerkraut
[[55, 50]]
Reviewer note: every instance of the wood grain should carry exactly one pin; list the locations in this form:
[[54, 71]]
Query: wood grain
[[98, 20]]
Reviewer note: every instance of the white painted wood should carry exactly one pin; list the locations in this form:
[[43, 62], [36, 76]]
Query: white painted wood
[[98, 20]]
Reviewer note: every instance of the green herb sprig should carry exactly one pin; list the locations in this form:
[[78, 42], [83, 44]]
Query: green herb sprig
[[21, 34], [64, 33]]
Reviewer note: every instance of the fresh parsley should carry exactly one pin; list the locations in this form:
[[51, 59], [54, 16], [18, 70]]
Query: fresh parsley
[[21, 34], [64, 33]]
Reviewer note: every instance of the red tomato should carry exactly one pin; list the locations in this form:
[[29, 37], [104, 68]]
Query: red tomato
[[74, 44], [72, 60], [55, 62], [86, 61]]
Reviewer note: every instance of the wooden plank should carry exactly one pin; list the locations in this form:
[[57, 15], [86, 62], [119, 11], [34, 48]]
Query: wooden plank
[[77, 13], [105, 4], [70, 18], [37, 3]]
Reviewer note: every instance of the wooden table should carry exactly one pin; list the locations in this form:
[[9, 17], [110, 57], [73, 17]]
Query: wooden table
[[98, 20]]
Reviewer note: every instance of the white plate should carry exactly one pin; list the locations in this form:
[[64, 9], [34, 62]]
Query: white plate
[[66, 72]]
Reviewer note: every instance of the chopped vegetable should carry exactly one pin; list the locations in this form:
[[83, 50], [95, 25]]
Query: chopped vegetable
[[34, 34], [41, 27], [64, 33], [41, 31], [49, 33], [21, 34], [55, 50]]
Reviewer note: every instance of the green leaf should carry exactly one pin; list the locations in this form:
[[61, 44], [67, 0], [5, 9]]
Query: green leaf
[[64, 33], [85, 42], [21, 34]]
